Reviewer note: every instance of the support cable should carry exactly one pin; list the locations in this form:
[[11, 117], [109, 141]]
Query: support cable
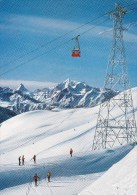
[[54, 48]]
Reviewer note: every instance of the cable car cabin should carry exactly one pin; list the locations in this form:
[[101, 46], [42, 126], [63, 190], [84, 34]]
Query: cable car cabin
[[76, 48], [75, 53]]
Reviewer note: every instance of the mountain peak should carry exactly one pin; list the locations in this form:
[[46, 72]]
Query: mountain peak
[[69, 82], [21, 88]]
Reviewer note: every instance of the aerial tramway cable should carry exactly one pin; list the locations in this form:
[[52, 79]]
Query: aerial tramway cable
[[48, 51], [53, 40]]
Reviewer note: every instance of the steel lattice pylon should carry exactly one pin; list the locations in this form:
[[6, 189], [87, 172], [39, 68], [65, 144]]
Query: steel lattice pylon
[[116, 123]]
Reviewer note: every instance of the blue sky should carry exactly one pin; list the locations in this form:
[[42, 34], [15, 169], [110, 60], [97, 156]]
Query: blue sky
[[28, 24]]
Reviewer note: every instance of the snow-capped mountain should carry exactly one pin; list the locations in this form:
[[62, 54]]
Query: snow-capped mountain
[[68, 94], [19, 100], [71, 94], [42, 94]]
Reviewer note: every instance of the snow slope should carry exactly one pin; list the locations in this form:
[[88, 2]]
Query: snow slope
[[120, 179], [70, 175], [50, 135]]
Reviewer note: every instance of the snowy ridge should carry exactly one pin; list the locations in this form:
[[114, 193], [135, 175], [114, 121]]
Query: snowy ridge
[[121, 178], [68, 94]]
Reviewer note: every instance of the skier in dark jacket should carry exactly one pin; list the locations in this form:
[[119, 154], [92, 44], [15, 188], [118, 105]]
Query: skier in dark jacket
[[71, 152], [23, 159], [19, 160], [34, 158], [49, 176], [36, 177]]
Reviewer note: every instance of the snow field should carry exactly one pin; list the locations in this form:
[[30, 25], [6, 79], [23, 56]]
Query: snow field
[[50, 135]]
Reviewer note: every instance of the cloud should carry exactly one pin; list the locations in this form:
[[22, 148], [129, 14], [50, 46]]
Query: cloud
[[35, 24], [128, 37], [42, 22], [45, 25], [31, 85], [106, 31]]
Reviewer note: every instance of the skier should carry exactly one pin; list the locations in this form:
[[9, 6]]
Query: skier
[[49, 176], [36, 177], [19, 160], [71, 152], [34, 158], [23, 159]]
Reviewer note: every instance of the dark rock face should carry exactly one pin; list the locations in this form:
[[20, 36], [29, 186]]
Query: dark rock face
[[6, 114]]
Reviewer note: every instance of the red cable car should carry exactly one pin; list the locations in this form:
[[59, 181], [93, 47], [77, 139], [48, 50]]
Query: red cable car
[[76, 49]]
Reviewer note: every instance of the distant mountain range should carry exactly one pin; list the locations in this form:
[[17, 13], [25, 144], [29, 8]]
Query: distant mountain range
[[68, 94]]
